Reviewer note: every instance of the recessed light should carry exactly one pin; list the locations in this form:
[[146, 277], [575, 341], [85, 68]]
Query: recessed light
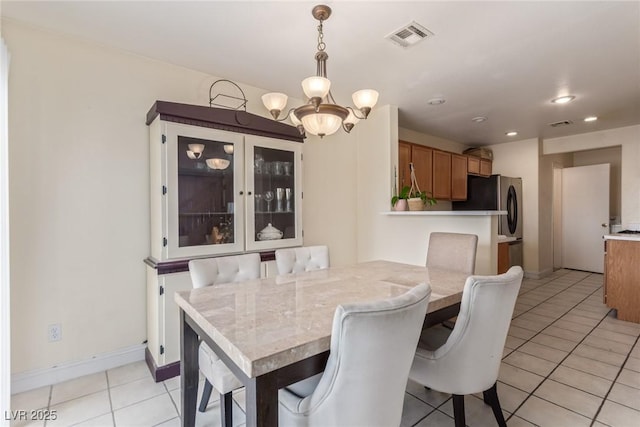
[[563, 99], [590, 119], [511, 133], [479, 119], [436, 101]]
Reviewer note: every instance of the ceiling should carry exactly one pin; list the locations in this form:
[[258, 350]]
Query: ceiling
[[501, 60]]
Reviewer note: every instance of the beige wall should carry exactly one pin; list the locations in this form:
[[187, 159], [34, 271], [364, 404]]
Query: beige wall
[[629, 140], [430, 140], [79, 195], [613, 156], [520, 159], [547, 206]]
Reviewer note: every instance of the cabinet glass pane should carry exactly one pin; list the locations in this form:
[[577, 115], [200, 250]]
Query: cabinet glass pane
[[274, 184], [205, 192]]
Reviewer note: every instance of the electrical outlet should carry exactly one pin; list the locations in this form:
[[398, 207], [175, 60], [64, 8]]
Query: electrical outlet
[[55, 332]]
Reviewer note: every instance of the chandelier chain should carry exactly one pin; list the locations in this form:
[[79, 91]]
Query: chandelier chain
[[321, 44]]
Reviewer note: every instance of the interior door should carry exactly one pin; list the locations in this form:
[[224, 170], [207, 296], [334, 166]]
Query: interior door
[[585, 216]]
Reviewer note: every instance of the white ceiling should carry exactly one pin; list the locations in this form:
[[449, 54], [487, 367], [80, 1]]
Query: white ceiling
[[502, 60]]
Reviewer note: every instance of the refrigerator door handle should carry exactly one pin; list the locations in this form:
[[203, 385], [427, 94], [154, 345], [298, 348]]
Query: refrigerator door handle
[[512, 209]]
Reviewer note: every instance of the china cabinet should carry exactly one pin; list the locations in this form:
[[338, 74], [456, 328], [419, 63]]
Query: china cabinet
[[221, 182]]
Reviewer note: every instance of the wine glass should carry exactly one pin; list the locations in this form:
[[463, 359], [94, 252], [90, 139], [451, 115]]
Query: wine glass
[[268, 197]]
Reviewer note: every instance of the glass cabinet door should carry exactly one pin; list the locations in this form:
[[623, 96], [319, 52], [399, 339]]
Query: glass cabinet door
[[274, 191], [205, 191]]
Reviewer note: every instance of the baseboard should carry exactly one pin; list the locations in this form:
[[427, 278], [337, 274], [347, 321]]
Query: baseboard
[[538, 274], [29, 380], [163, 372]]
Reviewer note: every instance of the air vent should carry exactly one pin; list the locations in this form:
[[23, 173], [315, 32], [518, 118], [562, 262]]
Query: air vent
[[409, 34], [561, 123]]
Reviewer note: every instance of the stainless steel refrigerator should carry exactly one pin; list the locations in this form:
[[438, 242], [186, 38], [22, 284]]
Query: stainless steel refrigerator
[[503, 193]]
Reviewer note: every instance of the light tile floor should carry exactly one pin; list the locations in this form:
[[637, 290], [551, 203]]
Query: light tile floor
[[567, 362]]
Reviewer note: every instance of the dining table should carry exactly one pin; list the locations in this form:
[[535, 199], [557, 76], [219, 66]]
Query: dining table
[[273, 332]]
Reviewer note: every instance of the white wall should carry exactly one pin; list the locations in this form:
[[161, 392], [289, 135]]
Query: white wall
[[629, 139], [79, 195]]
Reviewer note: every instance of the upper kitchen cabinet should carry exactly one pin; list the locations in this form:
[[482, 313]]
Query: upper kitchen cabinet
[[404, 158], [222, 181], [478, 166], [458, 177], [441, 175], [422, 158]]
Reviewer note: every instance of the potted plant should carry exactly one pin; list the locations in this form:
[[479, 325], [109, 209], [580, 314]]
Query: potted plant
[[418, 199], [399, 202]]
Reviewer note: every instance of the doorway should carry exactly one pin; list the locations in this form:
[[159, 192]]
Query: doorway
[[584, 216]]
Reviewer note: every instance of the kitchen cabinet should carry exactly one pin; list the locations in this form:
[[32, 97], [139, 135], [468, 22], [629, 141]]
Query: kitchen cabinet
[[404, 158], [422, 159], [503, 257], [441, 175], [217, 178], [622, 278], [485, 167], [478, 166], [458, 177]]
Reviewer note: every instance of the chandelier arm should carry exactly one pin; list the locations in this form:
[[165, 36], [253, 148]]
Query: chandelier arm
[[330, 97], [286, 116], [363, 117]]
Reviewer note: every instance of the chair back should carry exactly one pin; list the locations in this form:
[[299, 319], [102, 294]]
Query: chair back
[[372, 347], [213, 271], [452, 251], [469, 361], [307, 258]]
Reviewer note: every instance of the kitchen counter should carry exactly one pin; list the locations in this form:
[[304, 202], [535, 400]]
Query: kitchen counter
[[618, 236], [445, 213], [404, 236]]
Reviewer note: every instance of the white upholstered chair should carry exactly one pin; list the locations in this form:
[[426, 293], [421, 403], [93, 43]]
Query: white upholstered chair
[[469, 361], [364, 382], [452, 251], [307, 258], [213, 271]]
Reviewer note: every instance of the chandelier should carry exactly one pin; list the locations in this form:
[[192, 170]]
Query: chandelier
[[321, 115]]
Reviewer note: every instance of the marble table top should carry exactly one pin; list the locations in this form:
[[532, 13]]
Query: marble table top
[[265, 324]]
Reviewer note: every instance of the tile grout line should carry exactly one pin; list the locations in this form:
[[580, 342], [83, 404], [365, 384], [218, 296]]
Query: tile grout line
[[113, 415], [561, 361], [613, 383]]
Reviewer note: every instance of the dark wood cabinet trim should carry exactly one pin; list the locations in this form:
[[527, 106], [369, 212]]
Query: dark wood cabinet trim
[[181, 265], [223, 119]]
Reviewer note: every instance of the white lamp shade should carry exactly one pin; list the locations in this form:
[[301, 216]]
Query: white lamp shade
[[365, 98], [196, 148], [321, 124], [316, 87], [351, 118], [294, 119], [218, 163], [191, 155], [228, 148], [274, 101]]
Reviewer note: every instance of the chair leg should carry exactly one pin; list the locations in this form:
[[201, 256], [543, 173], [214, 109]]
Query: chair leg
[[226, 409], [458, 410], [491, 398], [206, 394]]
